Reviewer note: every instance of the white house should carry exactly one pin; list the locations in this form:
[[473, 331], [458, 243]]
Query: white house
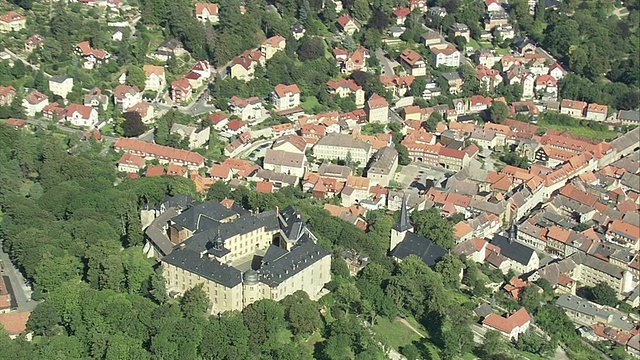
[[61, 85], [125, 96], [207, 12], [34, 102], [511, 326], [445, 56], [197, 138], [155, 78], [246, 109], [80, 115], [290, 163], [285, 97]]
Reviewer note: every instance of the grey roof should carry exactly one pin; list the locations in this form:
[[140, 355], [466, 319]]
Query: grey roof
[[186, 130], [629, 163], [450, 76], [273, 176], [403, 223], [297, 27], [200, 216], [299, 258], [597, 264], [170, 44], [627, 140], [383, 161], [334, 170], [614, 319], [273, 254], [181, 201], [631, 181], [343, 140], [629, 115], [209, 268], [155, 232], [283, 158], [497, 208], [483, 310], [461, 186], [425, 249], [512, 250], [60, 78], [551, 272]]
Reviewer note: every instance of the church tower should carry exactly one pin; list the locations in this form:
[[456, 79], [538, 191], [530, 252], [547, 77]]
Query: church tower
[[399, 229]]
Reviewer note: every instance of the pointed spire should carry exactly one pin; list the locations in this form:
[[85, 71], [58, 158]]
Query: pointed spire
[[403, 224]]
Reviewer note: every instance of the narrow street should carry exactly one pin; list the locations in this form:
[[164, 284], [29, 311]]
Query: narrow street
[[20, 292]]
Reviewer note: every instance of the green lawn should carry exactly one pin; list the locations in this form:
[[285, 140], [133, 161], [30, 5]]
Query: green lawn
[[581, 131], [313, 340], [394, 334], [309, 103], [474, 44]]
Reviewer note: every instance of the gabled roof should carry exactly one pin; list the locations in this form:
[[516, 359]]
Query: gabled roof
[[425, 249], [506, 325], [401, 12], [84, 111], [274, 41], [11, 16], [282, 90], [211, 8], [343, 20], [153, 69]]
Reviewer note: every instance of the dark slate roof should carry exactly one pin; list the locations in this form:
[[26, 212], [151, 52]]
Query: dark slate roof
[[299, 258], [182, 201], [202, 216], [273, 253], [190, 260], [154, 232], [512, 250], [403, 224], [241, 225], [414, 244]]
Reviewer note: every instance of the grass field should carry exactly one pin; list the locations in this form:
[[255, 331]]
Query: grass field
[[309, 103], [394, 334], [581, 131]]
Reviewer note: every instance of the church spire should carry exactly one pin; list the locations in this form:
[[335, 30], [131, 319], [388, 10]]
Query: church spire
[[403, 224]]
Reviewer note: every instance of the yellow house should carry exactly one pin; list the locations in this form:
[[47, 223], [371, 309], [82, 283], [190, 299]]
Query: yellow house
[[12, 21], [272, 45]]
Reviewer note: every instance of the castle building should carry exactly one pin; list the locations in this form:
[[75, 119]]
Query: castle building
[[241, 257]]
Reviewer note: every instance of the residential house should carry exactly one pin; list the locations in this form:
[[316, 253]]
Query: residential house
[[397, 85], [587, 313], [236, 127], [432, 37], [91, 56], [15, 324], [573, 108], [285, 97], [126, 96], [181, 90], [61, 85], [12, 21], [557, 71], [197, 138], [163, 154], [80, 115], [344, 88], [221, 172], [512, 326], [7, 93], [342, 147], [34, 41], [96, 99], [475, 249], [207, 12], [168, 49], [357, 61], [621, 232], [524, 47], [218, 120], [445, 56], [377, 109], [507, 254], [629, 117], [298, 30], [489, 77], [155, 78], [546, 84], [347, 25], [382, 167], [493, 6], [243, 67], [290, 143], [34, 103], [421, 5], [506, 31], [413, 62], [53, 112], [486, 57], [194, 79], [130, 163], [272, 45], [282, 130], [145, 110], [436, 11], [458, 29], [117, 34], [495, 19], [291, 163], [246, 109], [452, 159], [202, 68], [454, 80], [401, 14], [355, 190], [597, 112]]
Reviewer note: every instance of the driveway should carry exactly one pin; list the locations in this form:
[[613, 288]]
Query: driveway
[[20, 292]]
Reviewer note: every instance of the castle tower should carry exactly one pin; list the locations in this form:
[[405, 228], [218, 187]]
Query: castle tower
[[399, 229]]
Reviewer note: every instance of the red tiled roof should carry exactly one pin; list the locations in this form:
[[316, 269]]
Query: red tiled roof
[[376, 101], [452, 153], [84, 111], [154, 171], [211, 8], [282, 90], [343, 20], [274, 41], [176, 170], [235, 125], [158, 151], [14, 322], [264, 187], [448, 50], [220, 171], [131, 159], [506, 325], [401, 12], [11, 16]]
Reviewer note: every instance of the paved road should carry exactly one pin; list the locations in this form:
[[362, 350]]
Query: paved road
[[387, 64], [20, 291], [198, 107]]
